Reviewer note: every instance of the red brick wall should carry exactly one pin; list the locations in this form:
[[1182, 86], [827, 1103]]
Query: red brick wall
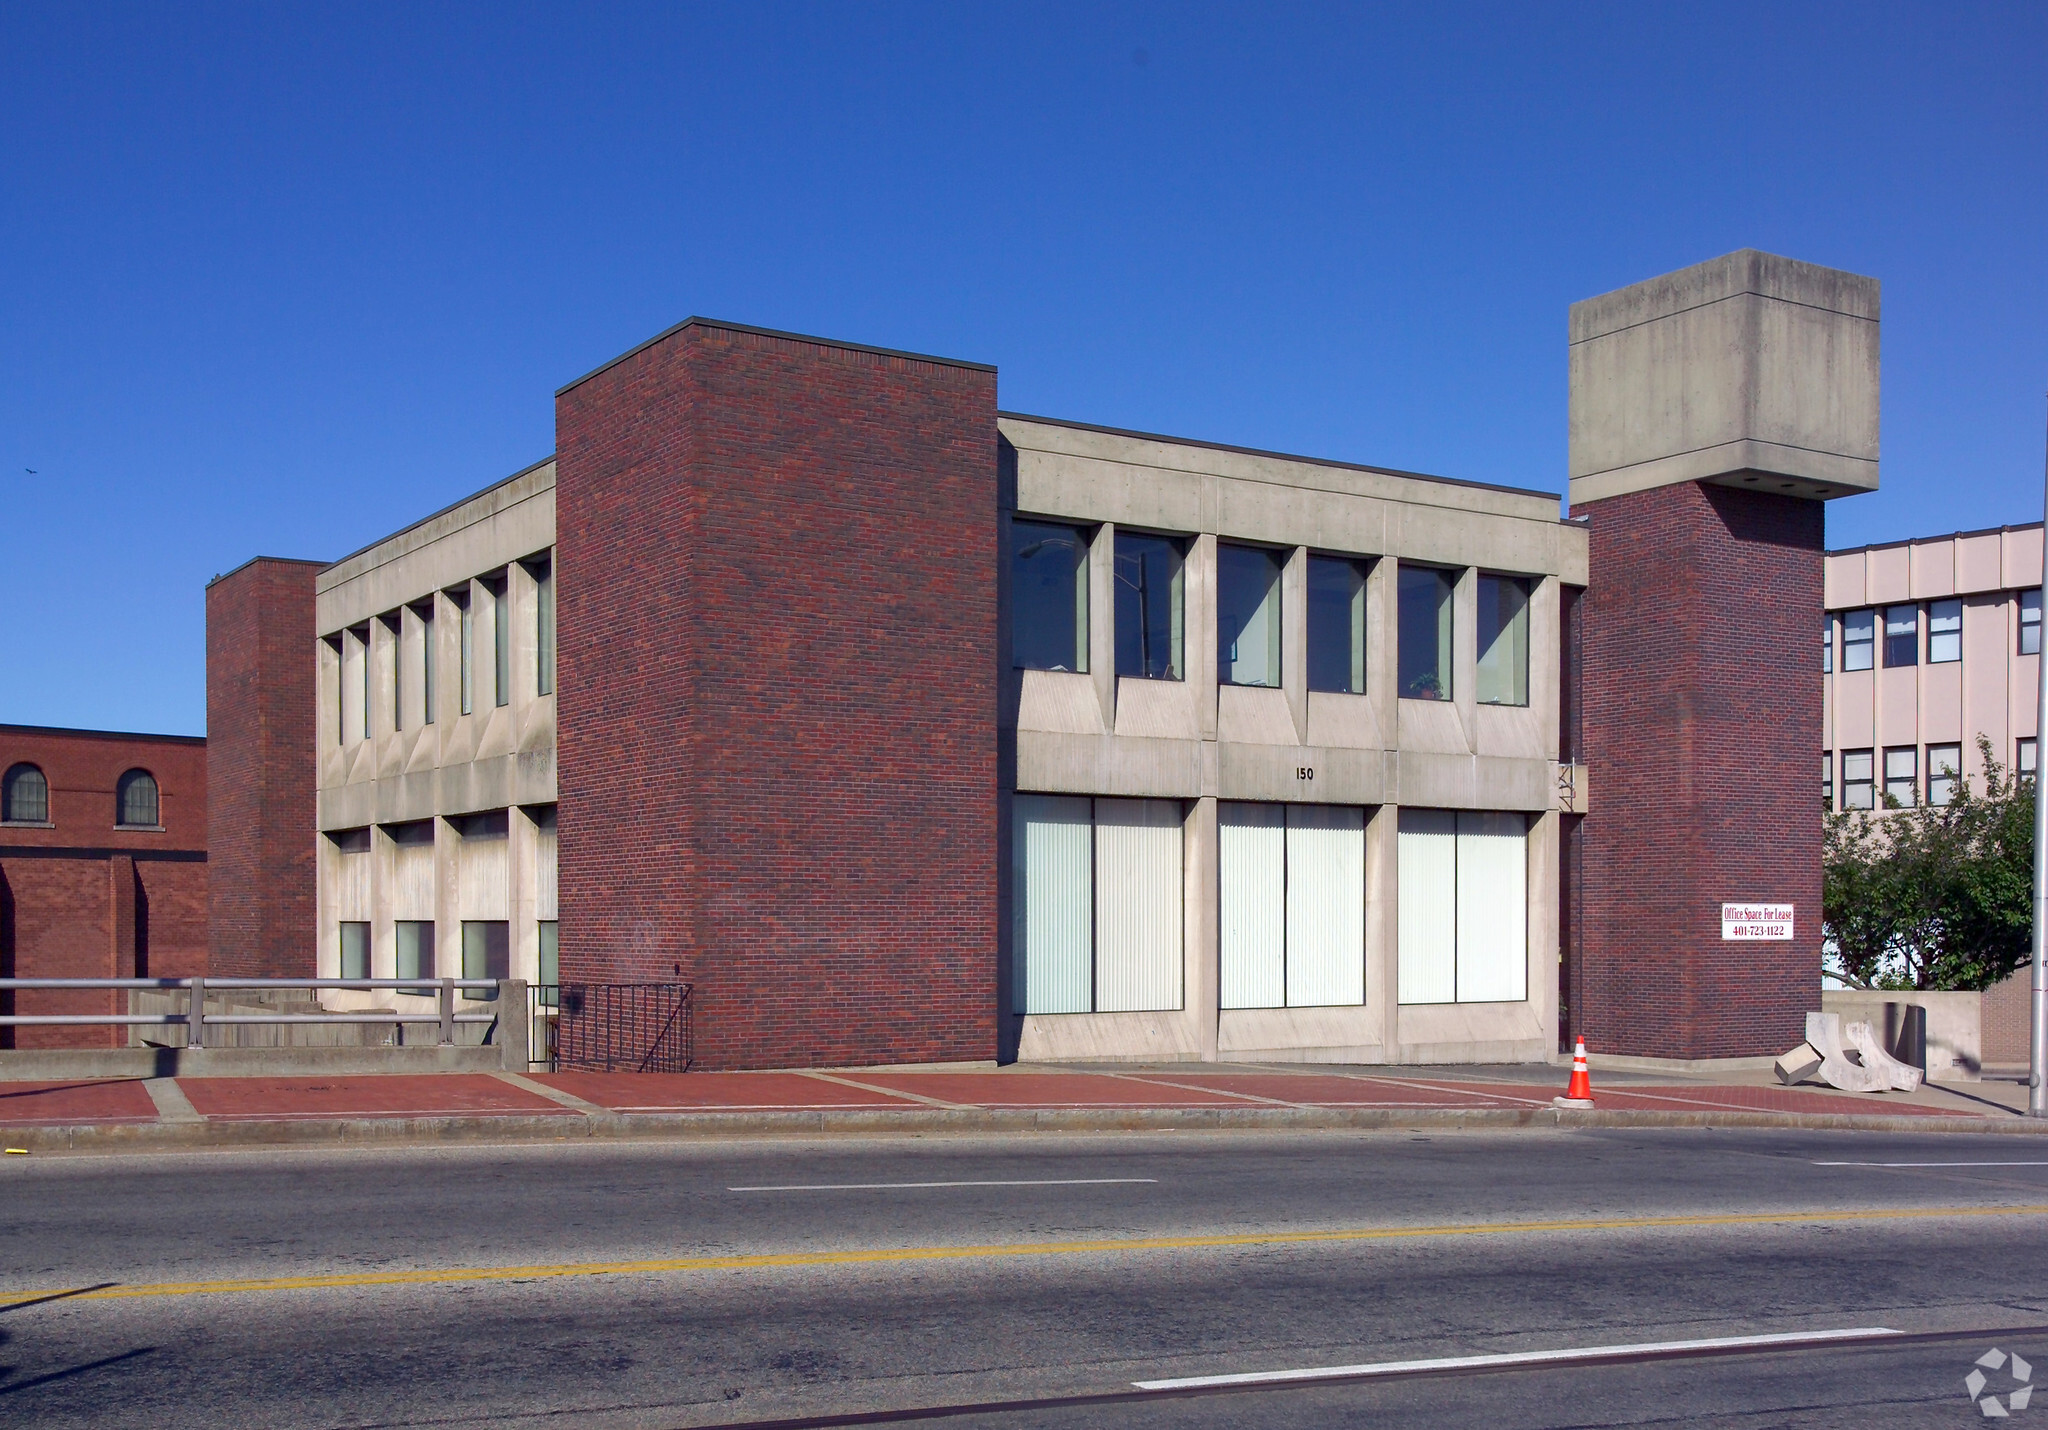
[[87, 899], [260, 674], [1702, 723], [777, 563]]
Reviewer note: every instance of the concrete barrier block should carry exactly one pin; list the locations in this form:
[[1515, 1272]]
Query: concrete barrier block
[[1798, 1065]]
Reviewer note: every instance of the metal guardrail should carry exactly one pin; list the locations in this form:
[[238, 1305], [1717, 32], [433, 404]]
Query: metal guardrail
[[195, 1019], [611, 1027]]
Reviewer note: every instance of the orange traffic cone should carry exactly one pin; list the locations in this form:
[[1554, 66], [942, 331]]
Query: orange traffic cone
[[1579, 1092]]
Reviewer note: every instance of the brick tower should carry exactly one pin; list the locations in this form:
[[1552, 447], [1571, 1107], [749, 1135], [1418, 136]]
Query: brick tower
[[1713, 411]]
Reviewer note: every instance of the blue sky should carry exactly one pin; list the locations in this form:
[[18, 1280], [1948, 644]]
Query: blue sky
[[280, 279]]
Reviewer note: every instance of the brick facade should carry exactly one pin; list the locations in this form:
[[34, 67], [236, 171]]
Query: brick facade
[[777, 753], [260, 681], [1702, 722], [81, 896]]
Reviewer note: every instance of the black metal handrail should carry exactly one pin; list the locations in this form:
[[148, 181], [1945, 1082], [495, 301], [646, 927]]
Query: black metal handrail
[[612, 1027]]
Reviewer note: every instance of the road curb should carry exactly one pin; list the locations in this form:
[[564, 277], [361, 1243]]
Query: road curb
[[567, 1126]]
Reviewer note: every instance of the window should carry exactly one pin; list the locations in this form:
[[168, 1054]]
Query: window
[[25, 796], [466, 607], [1901, 636], [1859, 630], [1503, 640], [1901, 771], [1827, 779], [543, 625], [1944, 632], [1462, 920], [1247, 616], [501, 641], [1048, 597], [1827, 643], [2023, 762], [550, 979], [135, 801], [1097, 894], [355, 949], [394, 630], [1336, 625], [486, 953], [415, 953], [1857, 789], [1944, 770], [1424, 616], [1291, 905], [428, 662], [2030, 622], [355, 684], [1150, 607]]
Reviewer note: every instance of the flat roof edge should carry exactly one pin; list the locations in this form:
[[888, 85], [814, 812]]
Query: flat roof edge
[[437, 515], [6, 729], [285, 560], [1937, 536], [1280, 456], [698, 321]]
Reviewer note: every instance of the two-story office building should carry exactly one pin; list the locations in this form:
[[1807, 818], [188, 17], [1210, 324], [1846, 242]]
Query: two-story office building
[[905, 729]]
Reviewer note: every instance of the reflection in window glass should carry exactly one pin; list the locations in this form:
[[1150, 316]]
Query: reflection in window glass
[[1856, 782], [1424, 614], [486, 953], [1336, 625], [1944, 632], [1901, 771], [2024, 757], [1827, 644], [427, 692], [415, 951], [1503, 641], [1859, 635], [2030, 622], [550, 966], [1944, 770], [1150, 618], [1048, 597], [1247, 615], [1901, 635], [501, 640], [466, 606], [1827, 779]]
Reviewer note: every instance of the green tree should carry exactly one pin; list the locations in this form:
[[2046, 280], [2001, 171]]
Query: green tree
[[1932, 897]]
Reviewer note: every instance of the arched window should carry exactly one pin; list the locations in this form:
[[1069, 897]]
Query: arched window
[[25, 796], [135, 799]]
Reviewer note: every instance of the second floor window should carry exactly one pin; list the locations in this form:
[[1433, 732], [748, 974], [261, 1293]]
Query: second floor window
[[1503, 640], [25, 796], [1859, 636], [1150, 607], [2030, 622], [1901, 775], [1424, 617], [1944, 632], [1247, 615], [1048, 596], [1336, 625], [1827, 644], [1856, 783], [135, 800], [1944, 771], [1901, 635]]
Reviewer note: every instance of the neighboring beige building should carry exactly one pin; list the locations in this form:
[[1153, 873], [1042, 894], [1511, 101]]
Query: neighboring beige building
[[436, 731], [1267, 702], [1928, 644]]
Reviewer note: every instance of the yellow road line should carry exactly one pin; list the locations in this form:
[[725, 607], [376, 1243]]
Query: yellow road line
[[891, 1255]]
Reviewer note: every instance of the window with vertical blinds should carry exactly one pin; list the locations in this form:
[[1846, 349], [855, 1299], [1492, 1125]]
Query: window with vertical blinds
[[1098, 900], [1462, 891], [1291, 905]]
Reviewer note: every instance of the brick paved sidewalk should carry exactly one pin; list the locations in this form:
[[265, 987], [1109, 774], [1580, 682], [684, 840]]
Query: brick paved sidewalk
[[566, 1100]]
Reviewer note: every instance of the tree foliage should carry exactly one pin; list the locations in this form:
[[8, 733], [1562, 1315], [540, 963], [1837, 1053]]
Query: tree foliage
[[1938, 898]]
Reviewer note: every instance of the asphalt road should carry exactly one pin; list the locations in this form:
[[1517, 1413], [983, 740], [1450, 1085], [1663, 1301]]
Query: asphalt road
[[831, 1289]]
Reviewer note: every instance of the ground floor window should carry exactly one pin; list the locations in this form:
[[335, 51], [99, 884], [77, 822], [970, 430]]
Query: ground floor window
[[415, 952], [1462, 891], [355, 949], [1291, 905], [550, 970], [1097, 898], [486, 953]]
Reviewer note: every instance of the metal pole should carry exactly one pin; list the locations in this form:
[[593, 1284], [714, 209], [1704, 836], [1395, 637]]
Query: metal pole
[[195, 1015], [2037, 1070]]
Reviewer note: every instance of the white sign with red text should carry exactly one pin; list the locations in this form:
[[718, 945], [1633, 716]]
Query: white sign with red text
[[1750, 921]]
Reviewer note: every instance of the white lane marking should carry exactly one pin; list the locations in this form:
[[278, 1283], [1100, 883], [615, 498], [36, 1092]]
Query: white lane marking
[[1411, 1367], [1931, 1164], [903, 1186]]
